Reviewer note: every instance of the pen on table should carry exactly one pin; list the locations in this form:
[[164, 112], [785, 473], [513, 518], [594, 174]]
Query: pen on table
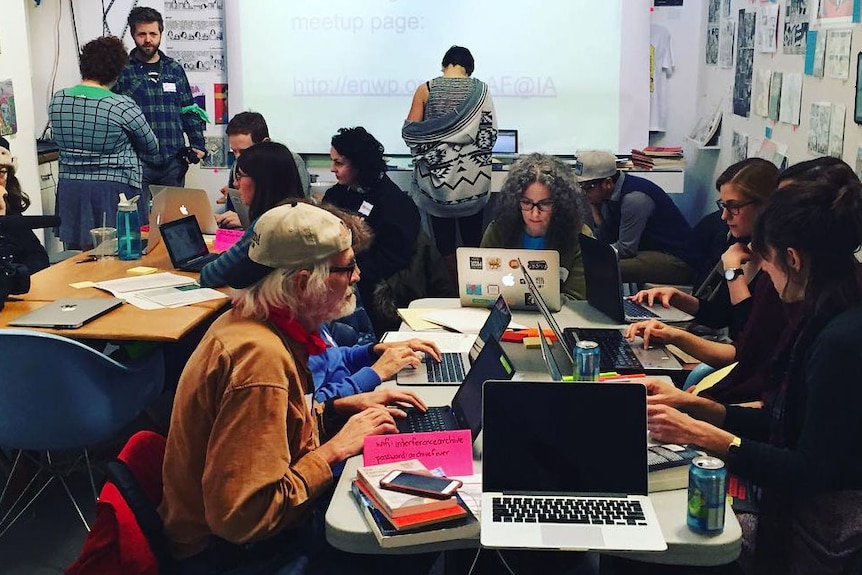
[[86, 259], [608, 374]]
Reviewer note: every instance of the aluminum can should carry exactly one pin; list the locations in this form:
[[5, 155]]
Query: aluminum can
[[707, 492], [586, 361]]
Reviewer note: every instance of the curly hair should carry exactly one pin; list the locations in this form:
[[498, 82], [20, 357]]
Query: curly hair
[[17, 201], [364, 151], [270, 165], [567, 216], [103, 59]]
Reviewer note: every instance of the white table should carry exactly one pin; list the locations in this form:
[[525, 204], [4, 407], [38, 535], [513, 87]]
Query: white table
[[347, 530]]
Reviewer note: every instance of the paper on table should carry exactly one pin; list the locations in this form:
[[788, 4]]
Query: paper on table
[[174, 297], [414, 317], [471, 492], [464, 319], [124, 286]]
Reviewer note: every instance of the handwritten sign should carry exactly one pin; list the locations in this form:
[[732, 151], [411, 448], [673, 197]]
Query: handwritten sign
[[450, 450], [225, 238]]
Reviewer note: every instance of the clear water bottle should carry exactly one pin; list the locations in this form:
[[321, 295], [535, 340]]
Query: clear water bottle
[[128, 229]]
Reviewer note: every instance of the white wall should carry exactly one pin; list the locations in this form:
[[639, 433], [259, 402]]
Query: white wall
[[15, 64]]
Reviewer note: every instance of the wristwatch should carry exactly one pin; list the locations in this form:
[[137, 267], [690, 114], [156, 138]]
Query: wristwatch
[[735, 444], [731, 274]]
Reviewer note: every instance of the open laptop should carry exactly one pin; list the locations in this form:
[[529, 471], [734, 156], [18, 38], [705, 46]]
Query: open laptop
[[172, 203], [505, 149], [616, 352], [69, 313], [466, 409], [240, 208], [572, 474], [605, 287], [485, 273], [548, 356], [455, 364], [185, 243]]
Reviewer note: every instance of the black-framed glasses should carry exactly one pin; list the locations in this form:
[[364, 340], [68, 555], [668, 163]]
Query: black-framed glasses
[[237, 176], [4, 171], [343, 269], [587, 186], [542, 205], [731, 207]]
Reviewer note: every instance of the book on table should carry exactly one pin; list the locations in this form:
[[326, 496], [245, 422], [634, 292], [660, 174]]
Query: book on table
[[394, 503], [668, 466], [416, 520]]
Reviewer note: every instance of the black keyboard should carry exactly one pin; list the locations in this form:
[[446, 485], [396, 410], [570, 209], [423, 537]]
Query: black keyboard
[[615, 351], [636, 310], [434, 419], [198, 263], [567, 510], [450, 368]]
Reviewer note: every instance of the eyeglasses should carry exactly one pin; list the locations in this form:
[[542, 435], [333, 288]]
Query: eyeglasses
[[343, 269], [4, 171], [238, 176], [542, 206], [587, 186], [731, 207]]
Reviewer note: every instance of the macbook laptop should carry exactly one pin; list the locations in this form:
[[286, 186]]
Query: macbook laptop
[[548, 356], [616, 352], [171, 203], [505, 149], [466, 409], [240, 208], [486, 273], [572, 474], [69, 313], [186, 246], [605, 287], [455, 364]]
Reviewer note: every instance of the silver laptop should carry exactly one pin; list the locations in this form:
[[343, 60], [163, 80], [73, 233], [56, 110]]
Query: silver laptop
[[454, 365], [240, 208], [572, 474], [172, 203], [548, 356], [69, 313], [605, 287], [617, 353], [486, 273]]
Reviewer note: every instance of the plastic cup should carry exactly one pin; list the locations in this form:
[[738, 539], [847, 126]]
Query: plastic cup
[[104, 242]]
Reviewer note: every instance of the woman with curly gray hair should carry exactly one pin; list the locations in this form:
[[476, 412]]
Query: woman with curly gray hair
[[540, 207]]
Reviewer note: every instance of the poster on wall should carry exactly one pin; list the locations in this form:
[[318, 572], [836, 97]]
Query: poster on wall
[[216, 152], [795, 26], [818, 54], [767, 28], [8, 116], [775, 96], [712, 35], [762, 78], [818, 128], [791, 98], [725, 8], [839, 12], [744, 63], [739, 147], [837, 54], [725, 44], [713, 12], [836, 130]]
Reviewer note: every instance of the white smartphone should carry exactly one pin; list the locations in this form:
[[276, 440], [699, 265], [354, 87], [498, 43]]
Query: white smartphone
[[419, 484]]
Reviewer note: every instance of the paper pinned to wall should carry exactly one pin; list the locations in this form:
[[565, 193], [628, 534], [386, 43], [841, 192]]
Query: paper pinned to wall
[[819, 55], [762, 79], [818, 128], [775, 96], [795, 26], [791, 98], [836, 130], [739, 147], [767, 28], [837, 64], [725, 44]]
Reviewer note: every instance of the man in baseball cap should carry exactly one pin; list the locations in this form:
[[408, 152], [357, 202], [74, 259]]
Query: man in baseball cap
[[248, 463], [652, 237]]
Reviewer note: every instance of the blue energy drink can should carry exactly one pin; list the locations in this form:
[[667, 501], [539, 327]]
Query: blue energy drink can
[[586, 361], [707, 492]]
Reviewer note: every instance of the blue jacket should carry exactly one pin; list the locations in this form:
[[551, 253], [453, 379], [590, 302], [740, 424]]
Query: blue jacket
[[342, 371]]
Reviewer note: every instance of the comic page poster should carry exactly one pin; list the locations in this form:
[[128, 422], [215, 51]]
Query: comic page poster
[[744, 63], [8, 116]]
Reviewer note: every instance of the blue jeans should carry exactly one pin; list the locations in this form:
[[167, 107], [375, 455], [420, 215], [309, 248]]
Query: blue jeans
[[171, 173]]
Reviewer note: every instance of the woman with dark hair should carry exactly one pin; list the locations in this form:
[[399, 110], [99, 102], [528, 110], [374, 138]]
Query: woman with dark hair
[[539, 207], [802, 449], [265, 176], [22, 245], [450, 130], [364, 189], [99, 157]]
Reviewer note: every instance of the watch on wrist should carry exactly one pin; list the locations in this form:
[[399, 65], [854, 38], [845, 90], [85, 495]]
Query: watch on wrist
[[735, 444], [731, 274]]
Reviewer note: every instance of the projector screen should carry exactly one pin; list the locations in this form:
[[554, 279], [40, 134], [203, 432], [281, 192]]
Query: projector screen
[[567, 74]]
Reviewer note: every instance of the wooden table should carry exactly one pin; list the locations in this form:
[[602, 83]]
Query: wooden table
[[124, 323]]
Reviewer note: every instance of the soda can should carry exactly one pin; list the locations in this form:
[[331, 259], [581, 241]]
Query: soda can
[[586, 361], [707, 492]]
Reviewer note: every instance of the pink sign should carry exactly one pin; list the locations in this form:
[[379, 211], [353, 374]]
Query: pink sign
[[225, 238], [450, 450]]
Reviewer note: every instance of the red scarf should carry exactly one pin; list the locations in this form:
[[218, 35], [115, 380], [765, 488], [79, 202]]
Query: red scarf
[[312, 342]]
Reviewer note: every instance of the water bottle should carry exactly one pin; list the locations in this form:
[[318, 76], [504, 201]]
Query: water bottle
[[128, 229]]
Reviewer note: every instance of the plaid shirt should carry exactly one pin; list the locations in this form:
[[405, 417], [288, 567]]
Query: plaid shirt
[[162, 103], [101, 135]]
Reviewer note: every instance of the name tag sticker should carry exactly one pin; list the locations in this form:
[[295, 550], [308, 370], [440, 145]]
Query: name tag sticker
[[169, 87], [365, 208]]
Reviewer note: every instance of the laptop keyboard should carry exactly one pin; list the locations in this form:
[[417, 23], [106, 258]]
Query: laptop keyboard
[[586, 511], [635, 310], [615, 351], [434, 419], [450, 368], [198, 263]]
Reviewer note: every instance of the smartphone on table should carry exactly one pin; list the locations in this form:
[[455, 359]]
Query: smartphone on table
[[420, 484]]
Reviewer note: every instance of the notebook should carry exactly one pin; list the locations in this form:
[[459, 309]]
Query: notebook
[[455, 363], [605, 287], [574, 447], [69, 313], [466, 409], [485, 273], [185, 243], [616, 352], [240, 208], [171, 203]]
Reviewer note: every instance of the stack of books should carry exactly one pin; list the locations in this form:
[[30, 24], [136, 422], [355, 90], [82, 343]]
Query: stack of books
[[399, 519], [653, 157]]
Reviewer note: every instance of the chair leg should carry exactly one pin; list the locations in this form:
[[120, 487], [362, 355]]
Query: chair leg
[[90, 474], [69, 492], [3, 521]]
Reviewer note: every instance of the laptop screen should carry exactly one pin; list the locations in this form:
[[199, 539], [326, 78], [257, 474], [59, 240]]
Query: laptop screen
[[507, 142], [546, 312], [564, 438], [493, 328], [184, 240], [602, 275], [492, 363]]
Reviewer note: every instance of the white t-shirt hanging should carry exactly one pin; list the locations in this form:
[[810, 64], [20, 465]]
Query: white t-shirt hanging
[[661, 66]]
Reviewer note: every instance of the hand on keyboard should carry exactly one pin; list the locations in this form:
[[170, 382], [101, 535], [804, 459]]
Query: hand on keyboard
[[393, 360], [653, 332]]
